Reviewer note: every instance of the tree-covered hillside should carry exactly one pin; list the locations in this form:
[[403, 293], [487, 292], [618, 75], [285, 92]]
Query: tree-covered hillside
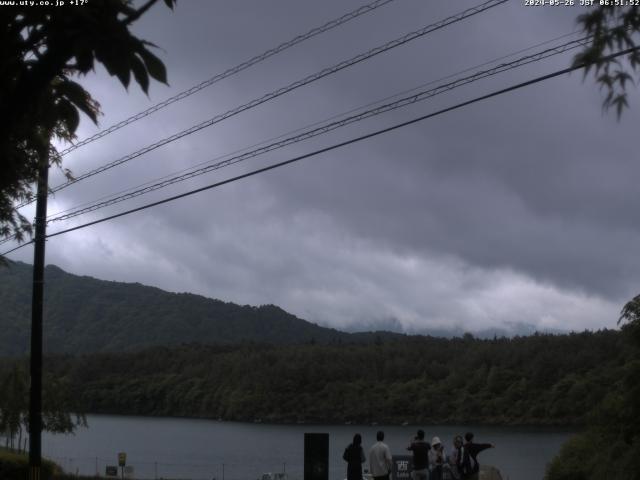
[[609, 446], [542, 379], [84, 314]]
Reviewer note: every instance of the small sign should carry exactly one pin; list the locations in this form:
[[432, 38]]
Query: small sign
[[402, 467], [112, 471], [122, 459], [128, 471]]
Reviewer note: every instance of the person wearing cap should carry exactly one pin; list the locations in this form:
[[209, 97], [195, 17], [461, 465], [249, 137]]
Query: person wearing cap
[[420, 450], [436, 459]]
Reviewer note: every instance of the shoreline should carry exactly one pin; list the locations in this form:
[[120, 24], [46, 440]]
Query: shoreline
[[574, 428]]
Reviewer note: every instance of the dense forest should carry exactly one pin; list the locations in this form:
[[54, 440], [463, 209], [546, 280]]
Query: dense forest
[[609, 446], [130, 349], [542, 379]]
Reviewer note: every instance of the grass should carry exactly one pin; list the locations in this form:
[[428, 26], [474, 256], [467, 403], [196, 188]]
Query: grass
[[15, 465]]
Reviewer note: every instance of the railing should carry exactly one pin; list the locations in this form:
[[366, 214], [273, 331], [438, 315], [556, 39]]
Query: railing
[[159, 470]]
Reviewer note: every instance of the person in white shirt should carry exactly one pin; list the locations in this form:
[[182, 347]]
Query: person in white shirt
[[437, 457], [380, 459]]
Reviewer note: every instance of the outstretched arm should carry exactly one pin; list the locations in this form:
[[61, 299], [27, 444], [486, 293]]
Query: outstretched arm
[[483, 446]]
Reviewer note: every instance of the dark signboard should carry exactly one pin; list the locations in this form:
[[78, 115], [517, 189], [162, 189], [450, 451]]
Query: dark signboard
[[111, 471], [316, 456], [402, 467]]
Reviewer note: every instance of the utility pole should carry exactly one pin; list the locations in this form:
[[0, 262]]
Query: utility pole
[[35, 395]]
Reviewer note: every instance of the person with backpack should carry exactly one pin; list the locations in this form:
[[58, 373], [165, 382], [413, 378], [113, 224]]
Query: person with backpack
[[354, 456], [469, 466]]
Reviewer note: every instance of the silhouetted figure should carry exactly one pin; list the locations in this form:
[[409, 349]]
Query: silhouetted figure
[[380, 459], [420, 450], [354, 456], [469, 465], [455, 457]]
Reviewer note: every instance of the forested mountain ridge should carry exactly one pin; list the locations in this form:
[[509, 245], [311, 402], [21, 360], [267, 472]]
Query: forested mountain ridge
[[536, 380], [84, 314], [289, 370]]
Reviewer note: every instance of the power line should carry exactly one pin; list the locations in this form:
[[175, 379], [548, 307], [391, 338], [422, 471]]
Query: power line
[[420, 96], [309, 126], [292, 86], [232, 71], [338, 145], [16, 248], [227, 73], [273, 139], [489, 62]]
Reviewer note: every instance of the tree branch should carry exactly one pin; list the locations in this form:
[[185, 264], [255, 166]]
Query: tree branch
[[138, 13]]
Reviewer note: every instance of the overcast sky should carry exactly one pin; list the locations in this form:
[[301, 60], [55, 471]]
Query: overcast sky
[[519, 209]]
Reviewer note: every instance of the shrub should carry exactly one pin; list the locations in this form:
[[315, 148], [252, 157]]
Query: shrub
[[572, 463], [16, 467]]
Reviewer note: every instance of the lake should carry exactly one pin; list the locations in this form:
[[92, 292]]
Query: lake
[[206, 449]]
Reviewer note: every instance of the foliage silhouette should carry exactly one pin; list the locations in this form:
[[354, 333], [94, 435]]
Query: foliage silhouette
[[41, 50]]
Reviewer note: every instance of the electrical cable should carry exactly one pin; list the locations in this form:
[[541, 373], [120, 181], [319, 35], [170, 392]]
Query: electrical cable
[[292, 86], [496, 93], [232, 71], [309, 126], [8, 239], [325, 129]]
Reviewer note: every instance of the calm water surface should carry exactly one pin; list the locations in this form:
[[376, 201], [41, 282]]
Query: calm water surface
[[205, 449]]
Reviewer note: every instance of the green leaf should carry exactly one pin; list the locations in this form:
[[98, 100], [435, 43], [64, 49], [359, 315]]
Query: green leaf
[[140, 73], [84, 57], [634, 59], [154, 65], [621, 103], [124, 75], [116, 61], [77, 95], [69, 115], [622, 78], [605, 80], [609, 100]]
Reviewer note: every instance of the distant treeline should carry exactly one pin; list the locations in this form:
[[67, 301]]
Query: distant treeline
[[541, 379]]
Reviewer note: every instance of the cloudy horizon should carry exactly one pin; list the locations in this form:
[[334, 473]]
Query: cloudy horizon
[[519, 210]]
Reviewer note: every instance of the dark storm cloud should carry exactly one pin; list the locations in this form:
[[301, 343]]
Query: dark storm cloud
[[518, 209], [537, 189]]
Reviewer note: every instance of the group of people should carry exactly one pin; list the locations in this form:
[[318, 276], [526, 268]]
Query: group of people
[[430, 461]]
